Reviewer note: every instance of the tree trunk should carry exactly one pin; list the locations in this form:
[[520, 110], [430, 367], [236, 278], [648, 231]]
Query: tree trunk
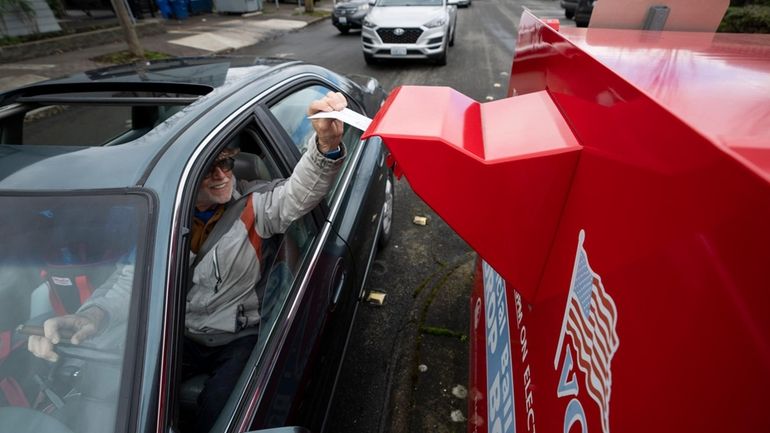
[[309, 6], [128, 28]]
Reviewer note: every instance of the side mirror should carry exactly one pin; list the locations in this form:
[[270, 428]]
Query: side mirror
[[372, 2]]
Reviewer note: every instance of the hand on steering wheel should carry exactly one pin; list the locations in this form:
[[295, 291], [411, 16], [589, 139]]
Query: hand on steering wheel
[[77, 327]]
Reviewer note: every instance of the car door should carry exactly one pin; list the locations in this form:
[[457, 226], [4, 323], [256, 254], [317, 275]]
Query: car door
[[293, 290], [297, 297], [351, 211]]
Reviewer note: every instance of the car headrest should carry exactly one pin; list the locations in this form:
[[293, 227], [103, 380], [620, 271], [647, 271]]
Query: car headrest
[[249, 166]]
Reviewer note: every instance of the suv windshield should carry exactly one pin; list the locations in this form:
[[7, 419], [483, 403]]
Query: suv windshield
[[67, 257]]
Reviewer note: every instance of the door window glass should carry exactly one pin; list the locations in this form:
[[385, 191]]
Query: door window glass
[[291, 113], [284, 258]]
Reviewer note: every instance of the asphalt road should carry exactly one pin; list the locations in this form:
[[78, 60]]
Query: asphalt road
[[406, 365]]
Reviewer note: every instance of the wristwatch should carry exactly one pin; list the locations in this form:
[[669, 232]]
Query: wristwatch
[[334, 154]]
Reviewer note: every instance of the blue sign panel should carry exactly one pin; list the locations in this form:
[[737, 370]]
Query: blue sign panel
[[500, 415]]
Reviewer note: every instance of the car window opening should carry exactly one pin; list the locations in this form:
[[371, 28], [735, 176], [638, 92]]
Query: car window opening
[[108, 118]]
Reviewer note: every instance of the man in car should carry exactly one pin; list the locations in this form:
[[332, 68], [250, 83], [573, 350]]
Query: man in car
[[222, 309]]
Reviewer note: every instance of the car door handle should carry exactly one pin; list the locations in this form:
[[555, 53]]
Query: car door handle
[[337, 282]]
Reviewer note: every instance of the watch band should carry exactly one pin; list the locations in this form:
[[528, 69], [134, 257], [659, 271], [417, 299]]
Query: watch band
[[334, 154]]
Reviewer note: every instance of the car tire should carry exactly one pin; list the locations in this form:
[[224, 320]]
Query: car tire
[[452, 40], [369, 59], [441, 58], [386, 221], [569, 14]]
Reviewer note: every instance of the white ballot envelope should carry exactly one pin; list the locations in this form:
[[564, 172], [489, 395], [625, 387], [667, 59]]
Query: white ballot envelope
[[347, 115]]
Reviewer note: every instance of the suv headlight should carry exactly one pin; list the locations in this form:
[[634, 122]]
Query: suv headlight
[[437, 22], [368, 23], [363, 7]]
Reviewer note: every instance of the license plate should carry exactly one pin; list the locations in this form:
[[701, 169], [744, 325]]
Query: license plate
[[343, 20], [398, 51]]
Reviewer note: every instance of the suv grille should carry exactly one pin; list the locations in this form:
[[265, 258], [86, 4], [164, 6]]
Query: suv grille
[[410, 36]]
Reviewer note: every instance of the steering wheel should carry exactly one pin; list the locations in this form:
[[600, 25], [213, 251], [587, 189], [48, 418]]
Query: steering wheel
[[87, 353], [82, 351]]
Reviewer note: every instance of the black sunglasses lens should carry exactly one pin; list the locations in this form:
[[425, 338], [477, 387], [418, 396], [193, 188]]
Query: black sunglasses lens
[[226, 165]]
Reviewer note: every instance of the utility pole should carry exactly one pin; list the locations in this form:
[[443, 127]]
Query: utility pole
[[309, 6], [127, 23]]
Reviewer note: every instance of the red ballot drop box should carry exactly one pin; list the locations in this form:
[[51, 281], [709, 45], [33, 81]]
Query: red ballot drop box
[[619, 200]]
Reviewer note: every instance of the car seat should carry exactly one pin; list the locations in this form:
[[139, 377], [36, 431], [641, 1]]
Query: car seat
[[250, 162], [249, 167]]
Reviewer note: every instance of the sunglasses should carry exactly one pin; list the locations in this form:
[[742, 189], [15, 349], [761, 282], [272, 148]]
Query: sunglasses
[[226, 165]]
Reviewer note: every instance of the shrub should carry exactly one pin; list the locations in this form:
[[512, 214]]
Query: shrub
[[746, 19]]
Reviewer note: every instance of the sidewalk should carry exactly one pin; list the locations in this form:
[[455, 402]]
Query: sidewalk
[[199, 35]]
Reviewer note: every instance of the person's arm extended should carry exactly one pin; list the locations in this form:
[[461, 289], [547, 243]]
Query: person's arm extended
[[312, 177]]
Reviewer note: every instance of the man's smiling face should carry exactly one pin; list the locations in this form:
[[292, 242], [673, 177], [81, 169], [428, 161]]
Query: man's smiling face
[[217, 186]]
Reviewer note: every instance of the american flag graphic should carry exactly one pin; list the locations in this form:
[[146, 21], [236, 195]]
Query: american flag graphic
[[590, 320]]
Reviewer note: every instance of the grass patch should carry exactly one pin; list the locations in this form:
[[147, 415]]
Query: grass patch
[[121, 57], [6, 41], [443, 332], [10, 40]]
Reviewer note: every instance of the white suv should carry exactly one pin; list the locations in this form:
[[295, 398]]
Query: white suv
[[411, 29]]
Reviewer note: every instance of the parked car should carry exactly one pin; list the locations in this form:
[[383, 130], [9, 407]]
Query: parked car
[[464, 3], [569, 7], [101, 169], [583, 12], [580, 10], [349, 14], [409, 29]]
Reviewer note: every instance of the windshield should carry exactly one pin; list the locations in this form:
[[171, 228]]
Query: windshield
[[67, 263], [410, 2]]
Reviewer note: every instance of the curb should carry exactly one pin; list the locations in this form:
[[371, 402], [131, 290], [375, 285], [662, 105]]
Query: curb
[[47, 47], [318, 19], [269, 37]]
